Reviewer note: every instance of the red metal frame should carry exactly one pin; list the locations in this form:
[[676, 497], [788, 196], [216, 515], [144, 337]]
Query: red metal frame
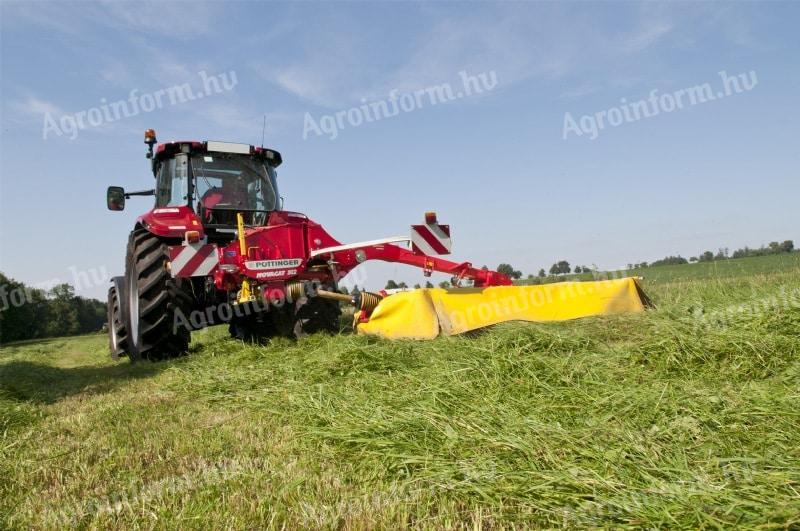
[[292, 238], [285, 238], [346, 260]]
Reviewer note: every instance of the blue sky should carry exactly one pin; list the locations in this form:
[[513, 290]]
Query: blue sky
[[496, 166]]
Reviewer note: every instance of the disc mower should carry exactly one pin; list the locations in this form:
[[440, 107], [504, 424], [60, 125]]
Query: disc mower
[[218, 247]]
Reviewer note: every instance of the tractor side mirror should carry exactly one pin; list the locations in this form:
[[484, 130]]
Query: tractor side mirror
[[115, 198]]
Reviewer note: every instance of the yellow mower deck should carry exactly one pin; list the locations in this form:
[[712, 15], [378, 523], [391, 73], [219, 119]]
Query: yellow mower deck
[[428, 313]]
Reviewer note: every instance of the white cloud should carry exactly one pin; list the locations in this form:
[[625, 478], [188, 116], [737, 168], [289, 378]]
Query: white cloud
[[60, 17], [231, 121], [645, 36], [580, 91], [180, 20], [306, 83], [516, 47], [116, 73], [229, 117], [171, 19], [518, 42], [168, 70], [33, 106], [328, 70]]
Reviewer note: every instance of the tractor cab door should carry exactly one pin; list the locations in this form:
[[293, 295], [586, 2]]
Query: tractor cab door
[[172, 182]]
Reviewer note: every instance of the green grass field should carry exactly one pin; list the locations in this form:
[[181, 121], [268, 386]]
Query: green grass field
[[684, 416]]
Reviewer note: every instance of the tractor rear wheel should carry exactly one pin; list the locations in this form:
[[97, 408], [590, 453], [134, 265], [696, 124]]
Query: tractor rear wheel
[[117, 333], [154, 299]]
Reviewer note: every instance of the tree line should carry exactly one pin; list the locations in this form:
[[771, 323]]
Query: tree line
[[563, 267], [32, 313], [786, 246]]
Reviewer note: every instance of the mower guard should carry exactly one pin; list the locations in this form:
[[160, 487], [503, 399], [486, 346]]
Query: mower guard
[[428, 313]]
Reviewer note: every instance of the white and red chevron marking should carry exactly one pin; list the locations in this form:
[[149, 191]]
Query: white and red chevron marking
[[431, 238], [193, 260]]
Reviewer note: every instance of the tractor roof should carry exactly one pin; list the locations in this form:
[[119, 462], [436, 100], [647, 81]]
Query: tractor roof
[[169, 149]]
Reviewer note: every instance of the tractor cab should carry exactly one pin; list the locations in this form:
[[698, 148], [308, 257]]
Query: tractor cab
[[217, 184], [210, 181]]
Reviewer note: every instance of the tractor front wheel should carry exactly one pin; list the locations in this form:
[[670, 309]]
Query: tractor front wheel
[[154, 300]]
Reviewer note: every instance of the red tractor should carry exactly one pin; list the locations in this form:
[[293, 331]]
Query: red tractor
[[218, 247]]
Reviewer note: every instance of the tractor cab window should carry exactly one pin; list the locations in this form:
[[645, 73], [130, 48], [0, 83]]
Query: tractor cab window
[[172, 182], [227, 183]]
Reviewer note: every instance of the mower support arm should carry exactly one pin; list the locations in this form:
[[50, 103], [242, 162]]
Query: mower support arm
[[392, 253]]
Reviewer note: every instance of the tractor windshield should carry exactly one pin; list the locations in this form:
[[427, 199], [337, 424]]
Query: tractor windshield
[[227, 183]]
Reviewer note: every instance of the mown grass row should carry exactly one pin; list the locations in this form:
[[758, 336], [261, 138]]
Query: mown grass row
[[664, 419]]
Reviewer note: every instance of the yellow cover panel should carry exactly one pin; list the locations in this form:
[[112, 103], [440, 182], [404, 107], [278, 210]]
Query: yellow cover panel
[[408, 314], [462, 311], [424, 313]]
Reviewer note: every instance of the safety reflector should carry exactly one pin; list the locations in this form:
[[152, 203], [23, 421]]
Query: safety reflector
[[431, 238], [193, 260], [427, 313]]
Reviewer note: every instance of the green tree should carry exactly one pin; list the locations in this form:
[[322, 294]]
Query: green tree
[[28, 313], [509, 271], [428, 284], [542, 274], [62, 305], [23, 311], [391, 284], [670, 260]]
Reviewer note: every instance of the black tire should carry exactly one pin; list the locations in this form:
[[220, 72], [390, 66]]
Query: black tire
[[155, 328], [314, 315], [117, 333], [256, 328]]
